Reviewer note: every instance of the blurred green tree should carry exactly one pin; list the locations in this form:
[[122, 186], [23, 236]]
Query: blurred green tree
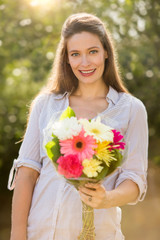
[[29, 34]]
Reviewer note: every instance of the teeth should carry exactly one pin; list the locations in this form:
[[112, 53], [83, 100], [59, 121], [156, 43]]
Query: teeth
[[88, 71]]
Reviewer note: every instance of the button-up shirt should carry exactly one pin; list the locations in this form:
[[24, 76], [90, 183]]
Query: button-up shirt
[[56, 208]]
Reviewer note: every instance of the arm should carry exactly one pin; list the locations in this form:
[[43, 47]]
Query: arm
[[25, 172], [25, 182], [126, 192], [130, 186]]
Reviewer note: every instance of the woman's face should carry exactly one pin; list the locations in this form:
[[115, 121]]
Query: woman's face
[[86, 57]]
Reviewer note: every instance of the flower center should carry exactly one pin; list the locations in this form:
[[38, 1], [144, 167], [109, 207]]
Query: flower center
[[79, 144], [95, 131]]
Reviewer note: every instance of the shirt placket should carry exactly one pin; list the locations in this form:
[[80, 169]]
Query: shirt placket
[[56, 209]]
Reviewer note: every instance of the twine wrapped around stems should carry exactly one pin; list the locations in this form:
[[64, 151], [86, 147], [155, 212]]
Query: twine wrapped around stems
[[88, 229]]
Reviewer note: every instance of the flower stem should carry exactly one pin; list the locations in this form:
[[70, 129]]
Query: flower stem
[[88, 229]]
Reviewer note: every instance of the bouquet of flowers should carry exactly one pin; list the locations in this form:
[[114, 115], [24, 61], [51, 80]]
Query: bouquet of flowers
[[84, 150]]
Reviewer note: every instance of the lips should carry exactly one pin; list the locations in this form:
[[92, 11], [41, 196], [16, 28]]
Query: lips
[[87, 73]]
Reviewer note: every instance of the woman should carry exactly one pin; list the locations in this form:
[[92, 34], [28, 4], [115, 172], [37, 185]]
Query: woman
[[85, 77]]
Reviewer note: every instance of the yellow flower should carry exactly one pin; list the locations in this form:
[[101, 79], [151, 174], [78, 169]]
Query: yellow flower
[[104, 154], [92, 167]]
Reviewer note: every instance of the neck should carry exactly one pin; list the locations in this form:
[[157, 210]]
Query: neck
[[91, 91]]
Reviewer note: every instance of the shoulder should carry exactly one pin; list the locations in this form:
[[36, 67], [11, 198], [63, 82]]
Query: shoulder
[[45, 97], [137, 106], [134, 103], [137, 109], [42, 100]]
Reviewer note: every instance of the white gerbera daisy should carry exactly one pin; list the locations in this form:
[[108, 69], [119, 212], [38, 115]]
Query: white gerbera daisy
[[98, 130], [66, 128]]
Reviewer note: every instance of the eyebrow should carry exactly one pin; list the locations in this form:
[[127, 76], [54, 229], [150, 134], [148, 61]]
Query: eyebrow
[[87, 49]]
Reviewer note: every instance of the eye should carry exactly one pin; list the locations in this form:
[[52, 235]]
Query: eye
[[93, 51], [74, 54]]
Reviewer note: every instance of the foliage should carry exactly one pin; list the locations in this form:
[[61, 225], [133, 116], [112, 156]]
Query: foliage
[[68, 113], [53, 149], [28, 39]]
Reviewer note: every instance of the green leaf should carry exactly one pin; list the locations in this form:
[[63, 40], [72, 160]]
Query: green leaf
[[68, 113], [115, 164], [53, 149]]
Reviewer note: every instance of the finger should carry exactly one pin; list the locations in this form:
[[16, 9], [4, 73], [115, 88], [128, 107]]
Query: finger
[[86, 199], [87, 191], [93, 185]]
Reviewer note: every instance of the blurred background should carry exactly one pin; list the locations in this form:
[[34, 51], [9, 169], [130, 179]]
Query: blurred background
[[29, 34]]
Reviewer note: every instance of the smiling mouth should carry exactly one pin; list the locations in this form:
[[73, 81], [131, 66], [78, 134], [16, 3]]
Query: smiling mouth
[[87, 71]]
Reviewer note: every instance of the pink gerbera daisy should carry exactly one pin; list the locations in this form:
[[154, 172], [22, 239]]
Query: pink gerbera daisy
[[81, 145]]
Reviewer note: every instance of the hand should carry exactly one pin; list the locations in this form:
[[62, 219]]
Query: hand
[[94, 195]]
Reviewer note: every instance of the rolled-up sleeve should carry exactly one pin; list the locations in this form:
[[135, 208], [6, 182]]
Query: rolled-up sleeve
[[136, 137], [29, 153]]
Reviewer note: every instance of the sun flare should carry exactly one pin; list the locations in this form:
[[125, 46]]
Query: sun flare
[[35, 3]]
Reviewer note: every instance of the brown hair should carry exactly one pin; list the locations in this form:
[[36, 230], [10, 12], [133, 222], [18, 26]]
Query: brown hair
[[62, 78]]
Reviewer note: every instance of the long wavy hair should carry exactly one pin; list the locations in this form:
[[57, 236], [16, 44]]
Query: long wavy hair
[[62, 78]]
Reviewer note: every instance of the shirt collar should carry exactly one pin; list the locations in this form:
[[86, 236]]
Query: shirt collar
[[61, 96], [112, 95]]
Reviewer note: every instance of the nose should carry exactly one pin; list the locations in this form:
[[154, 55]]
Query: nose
[[85, 61]]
